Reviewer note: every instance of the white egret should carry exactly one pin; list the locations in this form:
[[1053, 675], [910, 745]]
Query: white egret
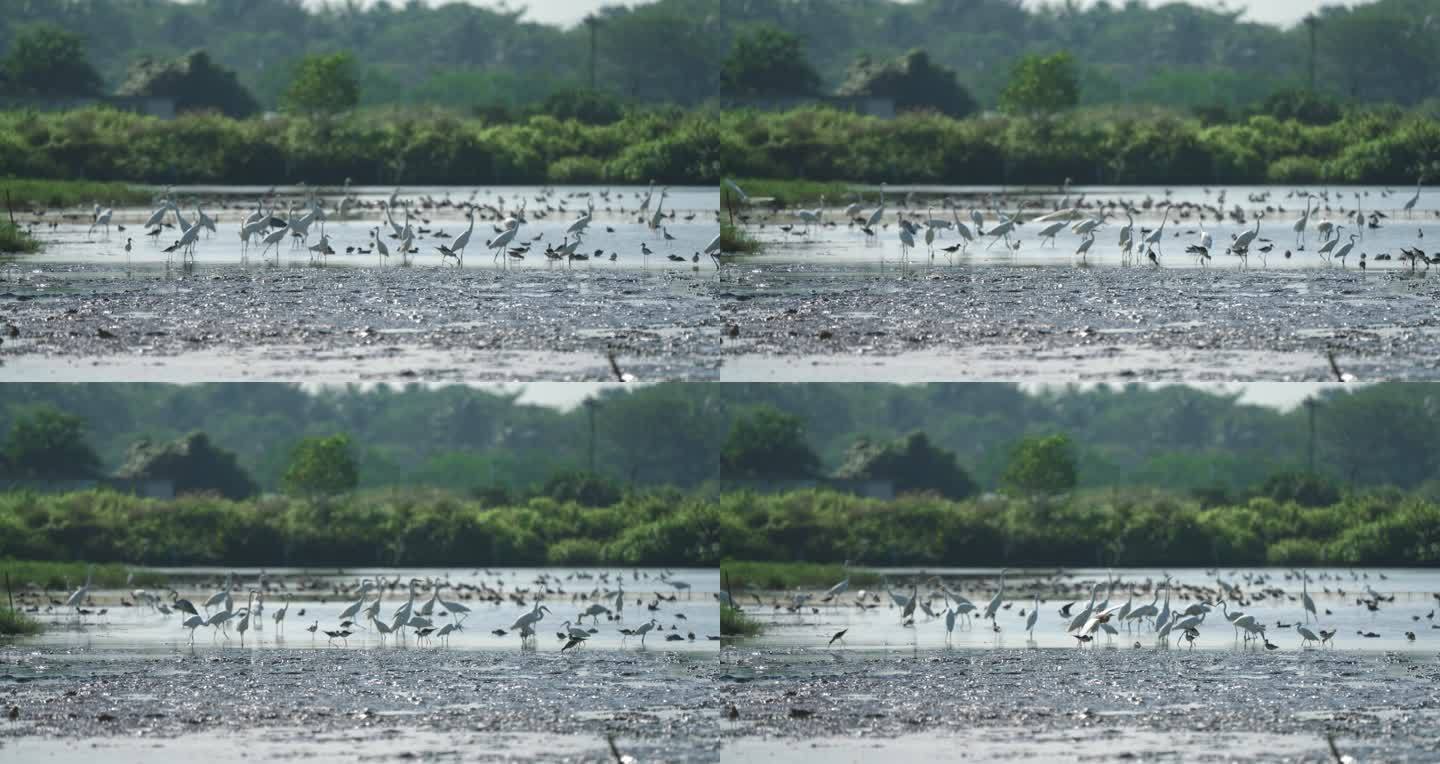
[[1084, 615], [1414, 200], [458, 244], [280, 614], [994, 606], [842, 587], [77, 597], [453, 608], [244, 624], [644, 629], [813, 217], [907, 241], [222, 596], [1345, 249], [1155, 236], [192, 623], [1300, 224], [1245, 238]]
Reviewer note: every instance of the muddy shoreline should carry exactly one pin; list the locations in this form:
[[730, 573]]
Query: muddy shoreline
[[658, 702], [1377, 707], [231, 322], [781, 322]]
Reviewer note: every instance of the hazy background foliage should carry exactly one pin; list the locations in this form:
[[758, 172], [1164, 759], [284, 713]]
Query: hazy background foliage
[[1173, 54], [460, 438]]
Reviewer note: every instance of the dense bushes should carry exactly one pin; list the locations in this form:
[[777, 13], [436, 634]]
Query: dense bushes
[[412, 527], [377, 528], [1089, 146], [414, 146], [1113, 527]]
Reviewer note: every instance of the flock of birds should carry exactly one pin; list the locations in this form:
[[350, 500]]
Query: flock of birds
[[1338, 238], [1090, 620], [406, 223], [432, 609]]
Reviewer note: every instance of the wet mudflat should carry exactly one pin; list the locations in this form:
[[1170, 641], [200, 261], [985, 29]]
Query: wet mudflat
[[223, 323], [787, 321], [332, 705], [1095, 705]]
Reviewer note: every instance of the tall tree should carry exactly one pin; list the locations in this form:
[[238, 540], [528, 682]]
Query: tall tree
[[1041, 466], [767, 61], [1042, 85], [322, 467], [45, 59], [324, 84], [48, 443], [768, 444]]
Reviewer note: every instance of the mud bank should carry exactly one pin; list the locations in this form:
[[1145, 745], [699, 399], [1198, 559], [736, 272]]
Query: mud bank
[[1092, 705], [782, 323], [460, 704], [225, 323]]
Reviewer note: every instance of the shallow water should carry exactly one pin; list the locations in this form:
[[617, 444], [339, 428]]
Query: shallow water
[[126, 629], [839, 243], [225, 323], [692, 227], [1267, 593]]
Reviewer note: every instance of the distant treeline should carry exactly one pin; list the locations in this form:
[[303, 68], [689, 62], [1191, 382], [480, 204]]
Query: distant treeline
[[474, 56], [1088, 146], [474, 440], [1134, 527], [400, 527], [367, 147]]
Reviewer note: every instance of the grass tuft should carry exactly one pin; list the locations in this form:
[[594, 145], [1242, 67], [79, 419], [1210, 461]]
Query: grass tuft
[[15, 240], [14, 623], [52, 194], [65, 576], [789, 575], [734, 241], [734, 623], [790, 193]]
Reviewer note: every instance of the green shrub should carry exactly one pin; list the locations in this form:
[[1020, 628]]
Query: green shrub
[[413, 145], [1295, 171], [1295, 552], [576, 171], [576, 552], [14, 623], [389, 527], [734, 623], [16, 240], [1090, 146]]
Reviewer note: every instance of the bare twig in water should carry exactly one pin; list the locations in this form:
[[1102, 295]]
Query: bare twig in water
[[620, 376], [610, 739], [1334, 752], [1335, 368]]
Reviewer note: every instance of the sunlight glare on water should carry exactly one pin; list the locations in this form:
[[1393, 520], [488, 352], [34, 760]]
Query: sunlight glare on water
[[693, 611], [840, 242], [616, 227], [1267, 593]]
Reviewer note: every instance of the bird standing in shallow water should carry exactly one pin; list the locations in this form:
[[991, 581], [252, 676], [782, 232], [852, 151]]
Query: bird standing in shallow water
[[840, 636]]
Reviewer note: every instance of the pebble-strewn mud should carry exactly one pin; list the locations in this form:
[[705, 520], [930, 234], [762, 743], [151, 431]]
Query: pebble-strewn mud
[[1378, 708]]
